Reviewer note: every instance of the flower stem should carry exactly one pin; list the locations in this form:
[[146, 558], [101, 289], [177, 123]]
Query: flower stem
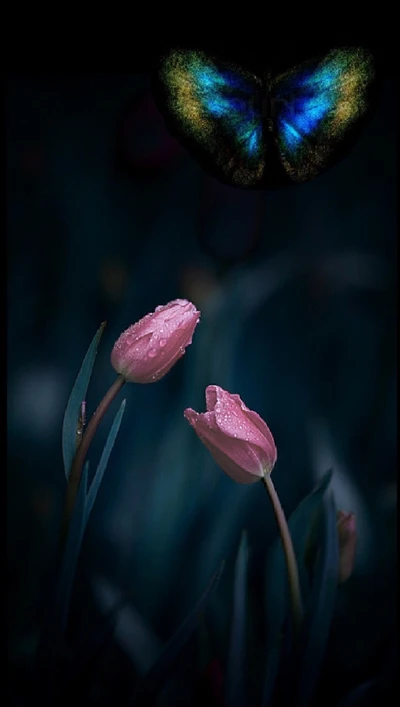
[[291, 563], [81, 452]]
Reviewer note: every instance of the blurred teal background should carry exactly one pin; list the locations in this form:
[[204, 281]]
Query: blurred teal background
[[108, 217]]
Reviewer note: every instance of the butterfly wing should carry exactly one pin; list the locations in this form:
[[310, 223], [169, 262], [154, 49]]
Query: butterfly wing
[[319, 107], [216, 110]]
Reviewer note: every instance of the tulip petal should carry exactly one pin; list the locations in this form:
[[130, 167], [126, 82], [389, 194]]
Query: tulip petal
[[147, 350], [256, 420], [211, 397], [237, 438], [128, 353], [191, 416], [235, 458], [236, 472], [233, 420]]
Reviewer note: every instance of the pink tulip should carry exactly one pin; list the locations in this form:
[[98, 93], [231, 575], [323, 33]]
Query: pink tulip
[[238, 439], [347, 537], [146, 351]]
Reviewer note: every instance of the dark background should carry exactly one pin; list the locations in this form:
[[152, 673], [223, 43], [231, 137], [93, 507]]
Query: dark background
[[107, 217]]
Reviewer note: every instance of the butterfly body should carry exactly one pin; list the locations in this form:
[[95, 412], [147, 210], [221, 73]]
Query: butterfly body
[[257, 131]]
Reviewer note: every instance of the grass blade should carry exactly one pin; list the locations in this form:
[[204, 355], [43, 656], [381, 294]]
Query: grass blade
[[322, 603], [301, 524], [95, 485], [163, 667], [365, 695], [76, 398], [71, 552], [52, 639], [236, 665]]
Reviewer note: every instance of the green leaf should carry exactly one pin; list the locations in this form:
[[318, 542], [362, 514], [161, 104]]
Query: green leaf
[[121, 623], [161, 671], [78, 394], [364, 695], [95, 485], [72, 549], [301, 525], [235, 691], [321, 607], [271, 671], [53, 633]]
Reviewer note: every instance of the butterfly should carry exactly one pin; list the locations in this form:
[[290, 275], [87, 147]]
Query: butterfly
[[265, 131]]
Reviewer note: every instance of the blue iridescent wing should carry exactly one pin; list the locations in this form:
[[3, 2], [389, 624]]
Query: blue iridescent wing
[[219, 109], [318, 107], [264, 134]]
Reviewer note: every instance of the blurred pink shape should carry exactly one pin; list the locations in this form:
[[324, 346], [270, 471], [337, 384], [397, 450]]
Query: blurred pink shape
[[211, 684], [238, 439], [147, 350], [347, 536]]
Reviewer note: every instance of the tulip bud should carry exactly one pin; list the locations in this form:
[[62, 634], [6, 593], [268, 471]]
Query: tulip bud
[[146, 351], [238, 439], [347, 537]]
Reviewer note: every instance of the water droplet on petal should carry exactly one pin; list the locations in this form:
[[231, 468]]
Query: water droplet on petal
[[163, 342], [152, 353]]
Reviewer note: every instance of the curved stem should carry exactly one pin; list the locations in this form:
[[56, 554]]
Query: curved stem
[[291, 562], [81, 452]]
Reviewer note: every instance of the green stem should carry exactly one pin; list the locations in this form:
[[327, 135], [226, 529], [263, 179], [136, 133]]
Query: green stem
[[81, 452], [291, 563]]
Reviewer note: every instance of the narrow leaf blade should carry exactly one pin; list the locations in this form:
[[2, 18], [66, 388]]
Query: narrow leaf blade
[[56, 621], [300, 525], [365, 695], [271, 671], [98, 477], [72, 549], [236, 663], [162, 669], [76, 398], [322, 603], [121, 622]]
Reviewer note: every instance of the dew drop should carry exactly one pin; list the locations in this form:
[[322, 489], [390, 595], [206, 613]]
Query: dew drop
[[163, 343], [152, 353]]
